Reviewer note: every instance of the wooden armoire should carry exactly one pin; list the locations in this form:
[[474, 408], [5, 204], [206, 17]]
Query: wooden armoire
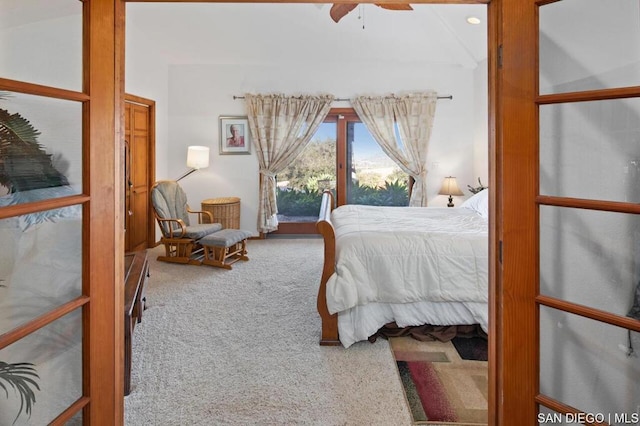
[[139, 158]]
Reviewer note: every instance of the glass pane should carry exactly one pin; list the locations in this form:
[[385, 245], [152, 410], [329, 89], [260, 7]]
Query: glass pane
[[41, 42], [588, 45], [56, 354], [584, 363], [591, 150], [590, 257], [300, 185], [375, 178], [42, 156], [40, 264], [75, 420]]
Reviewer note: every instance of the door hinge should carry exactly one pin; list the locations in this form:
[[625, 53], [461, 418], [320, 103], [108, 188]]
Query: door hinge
[[500, 56], [500, 251]]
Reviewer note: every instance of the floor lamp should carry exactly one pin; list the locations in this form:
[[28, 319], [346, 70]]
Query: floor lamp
[[197, 158]]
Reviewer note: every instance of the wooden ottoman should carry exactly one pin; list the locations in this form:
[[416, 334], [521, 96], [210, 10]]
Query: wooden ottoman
[[225, 247]]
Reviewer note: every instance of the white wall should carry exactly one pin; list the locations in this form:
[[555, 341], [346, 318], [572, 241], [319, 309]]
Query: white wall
[[308, 58], [481, 120], [147, 75], [199, 94], [190, 98]]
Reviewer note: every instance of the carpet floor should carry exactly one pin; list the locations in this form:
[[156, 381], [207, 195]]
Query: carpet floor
[[240, 347], [445, 383]]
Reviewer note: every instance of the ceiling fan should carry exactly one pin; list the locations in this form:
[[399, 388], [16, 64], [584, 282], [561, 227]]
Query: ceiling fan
[[339, 10]]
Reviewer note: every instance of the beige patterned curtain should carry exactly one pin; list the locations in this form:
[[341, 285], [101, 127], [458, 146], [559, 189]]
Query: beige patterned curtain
[[281, 127], [414, 114]]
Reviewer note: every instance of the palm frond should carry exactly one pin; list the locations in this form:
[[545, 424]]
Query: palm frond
[[19, 376], [15, 128], [6, 391], [24, 163], [475, 190]]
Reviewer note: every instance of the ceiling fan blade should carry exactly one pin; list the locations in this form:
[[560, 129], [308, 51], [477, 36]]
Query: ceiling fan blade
[[396, 6], [338, 11]]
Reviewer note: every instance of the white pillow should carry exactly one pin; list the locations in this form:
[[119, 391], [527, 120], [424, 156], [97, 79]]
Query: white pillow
[[478, 203]]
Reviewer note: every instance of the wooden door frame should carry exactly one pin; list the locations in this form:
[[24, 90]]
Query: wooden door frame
[[496, 395], [103, 260], [151, 155], [514, 221]]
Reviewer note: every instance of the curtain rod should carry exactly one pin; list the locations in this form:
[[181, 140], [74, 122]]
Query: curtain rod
[[348, 99]]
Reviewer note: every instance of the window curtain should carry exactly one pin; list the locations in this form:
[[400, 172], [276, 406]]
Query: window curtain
[[414, 114], [281, 127]]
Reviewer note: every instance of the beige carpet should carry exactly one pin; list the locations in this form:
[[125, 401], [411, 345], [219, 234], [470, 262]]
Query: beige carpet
[[240, 347]]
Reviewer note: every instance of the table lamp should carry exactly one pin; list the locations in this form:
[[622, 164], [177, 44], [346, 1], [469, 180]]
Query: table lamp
[[450, 188]]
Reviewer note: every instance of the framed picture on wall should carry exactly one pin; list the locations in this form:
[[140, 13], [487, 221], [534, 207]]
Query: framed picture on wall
[[235, 137]]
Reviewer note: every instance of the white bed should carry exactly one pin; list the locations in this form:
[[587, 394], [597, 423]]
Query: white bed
[[408, 265]]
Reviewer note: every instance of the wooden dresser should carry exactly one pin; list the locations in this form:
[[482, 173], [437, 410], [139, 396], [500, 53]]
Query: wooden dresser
[[136, 272]]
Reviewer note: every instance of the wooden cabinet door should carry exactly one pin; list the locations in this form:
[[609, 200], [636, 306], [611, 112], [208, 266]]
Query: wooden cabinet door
[[138, 137]]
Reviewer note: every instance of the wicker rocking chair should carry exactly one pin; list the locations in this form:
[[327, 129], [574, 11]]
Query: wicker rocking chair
[[179, 236]]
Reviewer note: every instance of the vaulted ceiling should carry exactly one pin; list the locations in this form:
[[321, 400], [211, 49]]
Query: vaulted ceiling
[[285, 32], [275, 33]]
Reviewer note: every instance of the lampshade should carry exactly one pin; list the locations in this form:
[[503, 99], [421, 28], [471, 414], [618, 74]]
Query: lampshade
[[198, 157], [450, 187]]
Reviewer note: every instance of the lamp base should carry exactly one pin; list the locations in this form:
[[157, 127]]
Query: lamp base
[[450, 201]]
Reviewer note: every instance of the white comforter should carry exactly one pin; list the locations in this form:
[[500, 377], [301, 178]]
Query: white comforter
[[408, 254]]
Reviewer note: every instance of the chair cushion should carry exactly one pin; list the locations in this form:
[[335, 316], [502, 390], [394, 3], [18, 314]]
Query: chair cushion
[[170, 201], [202, 230], [225, 238]]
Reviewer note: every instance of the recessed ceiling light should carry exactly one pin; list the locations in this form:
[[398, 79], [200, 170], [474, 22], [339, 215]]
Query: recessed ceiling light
[[473, 20]]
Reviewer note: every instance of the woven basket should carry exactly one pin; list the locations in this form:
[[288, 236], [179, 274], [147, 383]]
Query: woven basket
[[226, 211]]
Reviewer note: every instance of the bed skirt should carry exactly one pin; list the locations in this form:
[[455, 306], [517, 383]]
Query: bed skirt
[[428, 333]]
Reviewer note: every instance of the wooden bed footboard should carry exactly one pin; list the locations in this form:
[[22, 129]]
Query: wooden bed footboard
[[329, 334]]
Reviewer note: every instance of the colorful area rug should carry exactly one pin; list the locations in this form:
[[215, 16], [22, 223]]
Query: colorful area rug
[[445, 383]]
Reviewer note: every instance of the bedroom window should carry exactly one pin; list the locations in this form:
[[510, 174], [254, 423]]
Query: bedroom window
[[301, 184], [372, 178], [342, 157]]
